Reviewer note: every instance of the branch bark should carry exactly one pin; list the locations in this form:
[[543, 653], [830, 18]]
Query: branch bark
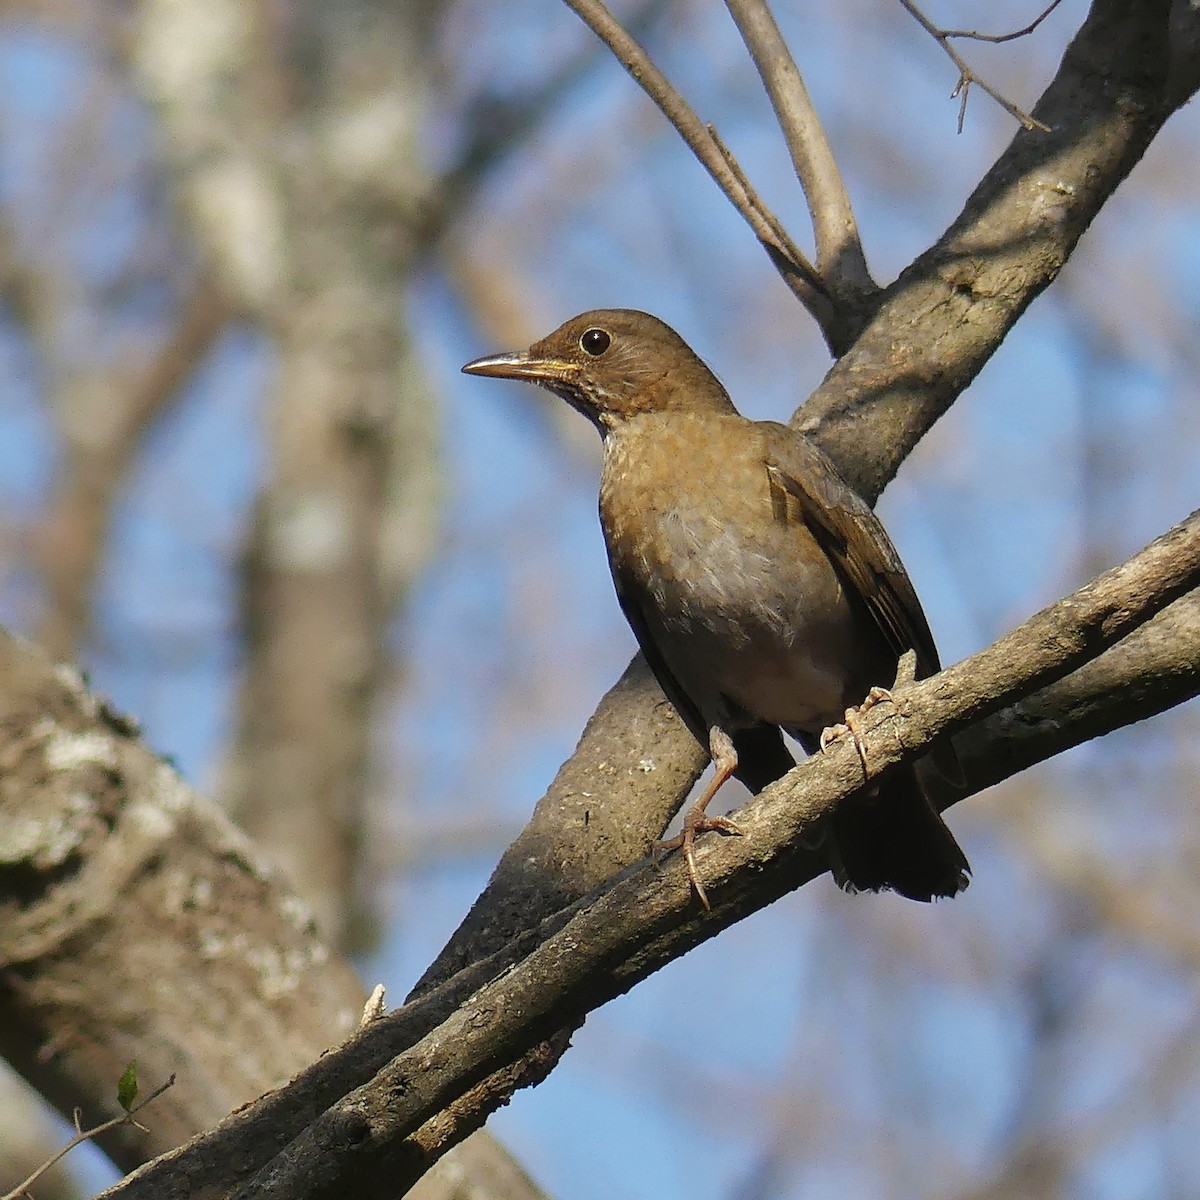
[[136, 922], [947, 313], [448, 1043]]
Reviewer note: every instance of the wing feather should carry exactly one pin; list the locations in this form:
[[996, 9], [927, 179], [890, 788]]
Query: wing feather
[[860, 550], [853, 539]]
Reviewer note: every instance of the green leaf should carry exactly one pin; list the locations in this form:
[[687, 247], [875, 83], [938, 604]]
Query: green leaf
[[127, 1087]]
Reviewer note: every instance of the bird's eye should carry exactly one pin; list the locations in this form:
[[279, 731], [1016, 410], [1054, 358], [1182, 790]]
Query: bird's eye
[[595, 341]]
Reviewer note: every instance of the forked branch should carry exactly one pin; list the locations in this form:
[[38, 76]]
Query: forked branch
[[798, 273], [841, 262], [966, 74]]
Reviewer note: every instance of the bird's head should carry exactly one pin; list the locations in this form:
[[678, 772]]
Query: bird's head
[[612, 364]]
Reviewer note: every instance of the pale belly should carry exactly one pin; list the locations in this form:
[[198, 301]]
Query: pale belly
[[744, 635]]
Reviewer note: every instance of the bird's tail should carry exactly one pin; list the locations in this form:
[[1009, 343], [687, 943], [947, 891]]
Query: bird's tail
[[894, 838]]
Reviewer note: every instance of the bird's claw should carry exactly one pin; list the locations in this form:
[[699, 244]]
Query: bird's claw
[[695, 822], [853, 726]]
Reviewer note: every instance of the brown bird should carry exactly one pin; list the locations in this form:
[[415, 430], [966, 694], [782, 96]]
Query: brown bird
[[763, 591]]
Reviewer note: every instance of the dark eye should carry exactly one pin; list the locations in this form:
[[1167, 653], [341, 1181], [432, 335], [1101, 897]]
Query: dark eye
[[595, 341]]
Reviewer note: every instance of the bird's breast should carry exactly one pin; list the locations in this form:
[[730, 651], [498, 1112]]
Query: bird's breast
[[743, 609]]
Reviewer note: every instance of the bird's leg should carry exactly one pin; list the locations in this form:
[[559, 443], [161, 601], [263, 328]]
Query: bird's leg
[[725, 761], [906, 672], [853, 725]]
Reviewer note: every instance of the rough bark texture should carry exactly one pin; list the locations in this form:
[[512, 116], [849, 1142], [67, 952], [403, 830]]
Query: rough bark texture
[[569, 845], [137, 923]]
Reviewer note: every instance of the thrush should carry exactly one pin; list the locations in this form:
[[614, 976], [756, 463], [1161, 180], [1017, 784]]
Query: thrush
[[763, 591]]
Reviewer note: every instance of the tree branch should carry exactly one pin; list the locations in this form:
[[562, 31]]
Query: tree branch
[[966, 75], [108, 862], [841, 263], [997, 38], [798, 273], [599, 947], [1150, 670], [21, 1191], [1183, 75], [947, 313]]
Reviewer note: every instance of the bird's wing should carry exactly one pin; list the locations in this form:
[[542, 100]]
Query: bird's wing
[[805, 486]]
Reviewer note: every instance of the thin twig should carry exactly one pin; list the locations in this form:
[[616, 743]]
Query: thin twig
[[753, 197], [996, 38], [966, 76], [840, 258], [797, 272], [85, 1135]]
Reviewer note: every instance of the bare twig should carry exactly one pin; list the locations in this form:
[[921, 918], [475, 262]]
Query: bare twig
[[840, 258], [798, 273], [85, 1135], [736, 168], [966, 75], [996, 38]]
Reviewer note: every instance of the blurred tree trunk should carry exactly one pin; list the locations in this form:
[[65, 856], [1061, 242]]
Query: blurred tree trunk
[[293, 142]]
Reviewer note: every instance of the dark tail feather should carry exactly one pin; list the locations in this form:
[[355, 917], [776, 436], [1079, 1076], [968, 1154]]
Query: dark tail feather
[[763, 756], [896, 839], [893, 839]]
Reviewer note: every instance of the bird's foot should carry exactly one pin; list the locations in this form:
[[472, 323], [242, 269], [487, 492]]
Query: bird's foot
[[695, 821], [853, 725]]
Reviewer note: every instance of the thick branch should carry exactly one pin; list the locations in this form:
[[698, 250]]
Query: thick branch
[[940, 322], [136, 922], [1152, 669], [599, 948], [1183, 76]]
